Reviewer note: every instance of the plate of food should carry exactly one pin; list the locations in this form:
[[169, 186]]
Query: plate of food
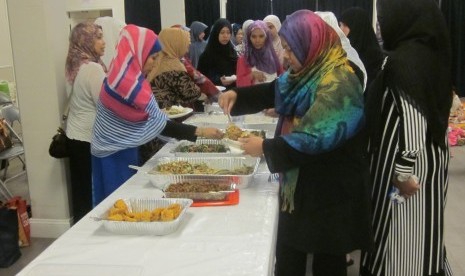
[[221, 88], [177, 111]]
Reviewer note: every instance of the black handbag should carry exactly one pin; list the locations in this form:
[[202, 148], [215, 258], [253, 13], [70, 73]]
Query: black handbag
[[59, 145]]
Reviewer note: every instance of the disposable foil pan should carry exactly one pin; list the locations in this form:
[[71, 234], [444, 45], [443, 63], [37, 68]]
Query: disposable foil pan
[[157, 228], [200, 189], [218, 163], [177, 149]]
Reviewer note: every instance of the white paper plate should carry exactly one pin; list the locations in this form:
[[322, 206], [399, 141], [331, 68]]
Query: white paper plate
[[221, 88], [185, 112]]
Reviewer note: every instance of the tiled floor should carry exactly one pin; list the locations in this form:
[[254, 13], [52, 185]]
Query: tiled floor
[[455, 221]]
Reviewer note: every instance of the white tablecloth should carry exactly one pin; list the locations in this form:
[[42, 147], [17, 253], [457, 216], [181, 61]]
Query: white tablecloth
[[222, 240]]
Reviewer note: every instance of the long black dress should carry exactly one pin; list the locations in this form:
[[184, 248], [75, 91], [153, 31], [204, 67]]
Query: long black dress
[[332, 208]]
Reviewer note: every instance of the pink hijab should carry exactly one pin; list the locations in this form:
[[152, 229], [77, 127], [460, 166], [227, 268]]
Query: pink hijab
[[125, 90]]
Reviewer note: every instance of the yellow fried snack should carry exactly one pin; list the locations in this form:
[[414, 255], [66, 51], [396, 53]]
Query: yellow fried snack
[[126, 218], [176, 207], [167, 215], [145, 215], [120, 204], [115, 211], [115, 217], [156, 214], [120, 212]]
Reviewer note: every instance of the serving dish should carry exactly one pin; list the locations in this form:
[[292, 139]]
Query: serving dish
[[211, 168], [202, 147], [199, 189], [146, 228], [177, 111]]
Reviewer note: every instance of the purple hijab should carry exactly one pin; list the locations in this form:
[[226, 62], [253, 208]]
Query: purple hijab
[[265, 59]]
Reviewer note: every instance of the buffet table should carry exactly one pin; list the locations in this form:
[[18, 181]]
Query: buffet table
[[220, 240]]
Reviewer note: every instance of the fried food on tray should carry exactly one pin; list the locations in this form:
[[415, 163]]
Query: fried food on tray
[[234, 132], [120, 204], [120, 212]]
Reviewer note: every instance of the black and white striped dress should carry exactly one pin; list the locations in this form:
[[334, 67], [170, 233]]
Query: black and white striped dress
[[409, 237]]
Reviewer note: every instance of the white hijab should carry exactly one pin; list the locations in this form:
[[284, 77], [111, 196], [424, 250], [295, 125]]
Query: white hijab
[[352, 54], [111, 27], [278, 48]]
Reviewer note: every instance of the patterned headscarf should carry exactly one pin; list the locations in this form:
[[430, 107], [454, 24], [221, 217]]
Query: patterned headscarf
[[81, 49], [126, 92], [352, 54], [175, 44], [321, 105], [265, 59]]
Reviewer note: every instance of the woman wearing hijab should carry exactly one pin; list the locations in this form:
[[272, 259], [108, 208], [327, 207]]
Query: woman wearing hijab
[[128, 115], [85, 72], [352, 54], [259, 63], [356, 25], [274, 24], [408, 108], [318, 148], [111, 28], [353, 57], [219, 58], [237, 38], [198, 43], [168, 78]]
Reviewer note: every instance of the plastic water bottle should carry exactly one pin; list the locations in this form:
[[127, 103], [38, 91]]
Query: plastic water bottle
[[394, 193]]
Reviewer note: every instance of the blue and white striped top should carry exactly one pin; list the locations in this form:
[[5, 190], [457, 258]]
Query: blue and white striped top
[[112, 133]]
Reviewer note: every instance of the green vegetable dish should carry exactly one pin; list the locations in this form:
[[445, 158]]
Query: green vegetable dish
[[204, 148]]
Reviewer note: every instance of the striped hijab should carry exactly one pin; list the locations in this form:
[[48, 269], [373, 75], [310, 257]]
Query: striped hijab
[[127, 113], [126, 92]]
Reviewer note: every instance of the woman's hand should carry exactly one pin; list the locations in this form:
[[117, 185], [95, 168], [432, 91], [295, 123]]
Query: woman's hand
[[226, 82], [258, 76], [271, 112], [209, 132], [252, 145], [227, 100], [406, 188]]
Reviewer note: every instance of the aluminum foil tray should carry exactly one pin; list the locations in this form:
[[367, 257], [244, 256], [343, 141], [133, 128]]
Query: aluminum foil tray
[[200, 189], [218, 163], [157, 228], [177, 149]]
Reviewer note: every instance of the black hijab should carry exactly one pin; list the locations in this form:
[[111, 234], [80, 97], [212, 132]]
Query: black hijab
[[363, 38], [220, 58], [419, 62]]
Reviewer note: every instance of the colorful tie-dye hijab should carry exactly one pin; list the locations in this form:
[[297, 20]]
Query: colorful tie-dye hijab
[[321, 106], [126, 92]]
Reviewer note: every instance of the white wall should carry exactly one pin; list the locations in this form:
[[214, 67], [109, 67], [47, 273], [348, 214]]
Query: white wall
[[39, 39], [6, 59], [172, 12]]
